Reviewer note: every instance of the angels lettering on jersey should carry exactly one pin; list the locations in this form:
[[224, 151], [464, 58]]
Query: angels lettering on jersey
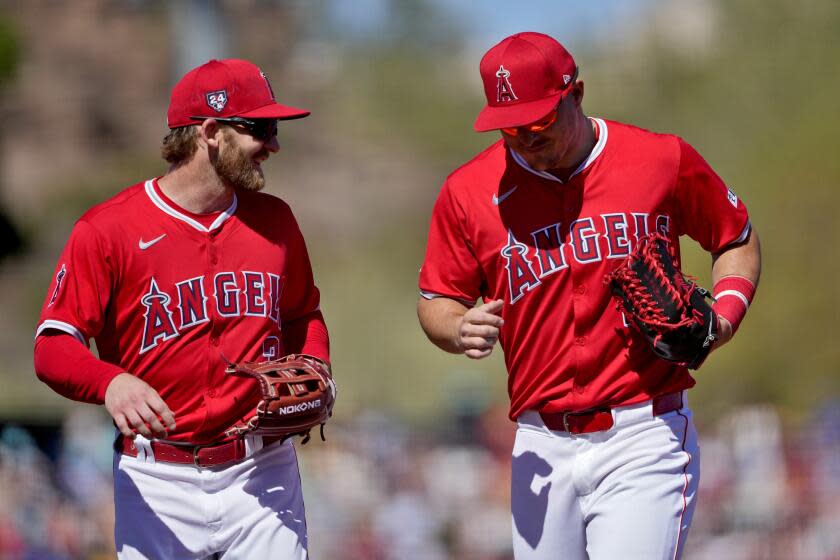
[[552, 247], [185, 305]]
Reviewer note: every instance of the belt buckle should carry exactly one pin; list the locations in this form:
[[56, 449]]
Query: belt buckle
[[566, 422], [196, 449], [566, 416]]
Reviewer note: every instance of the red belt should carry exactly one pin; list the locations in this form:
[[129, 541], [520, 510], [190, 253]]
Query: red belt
[[600, 419], [209, 455]]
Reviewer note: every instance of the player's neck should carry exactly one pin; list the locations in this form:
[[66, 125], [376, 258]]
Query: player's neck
[[195, 189], [584, 145]]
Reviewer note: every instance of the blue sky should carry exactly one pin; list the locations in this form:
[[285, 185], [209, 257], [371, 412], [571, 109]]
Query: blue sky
[[485, 22], [567, 20]]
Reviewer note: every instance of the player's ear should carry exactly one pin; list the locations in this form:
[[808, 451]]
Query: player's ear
[[209, 132], [577, 92]]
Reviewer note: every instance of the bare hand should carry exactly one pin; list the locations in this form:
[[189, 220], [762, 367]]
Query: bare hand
[[137, 408], [724, 333], [478, 329]]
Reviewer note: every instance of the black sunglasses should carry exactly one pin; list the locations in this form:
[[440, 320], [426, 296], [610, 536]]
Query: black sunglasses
[[261, 129]]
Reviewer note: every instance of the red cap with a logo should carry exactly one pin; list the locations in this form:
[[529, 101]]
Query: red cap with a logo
[[525, 76], [226, 88]]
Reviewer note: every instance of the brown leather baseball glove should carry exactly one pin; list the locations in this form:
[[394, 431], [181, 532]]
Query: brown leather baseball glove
[[668, 308], [298, 393]]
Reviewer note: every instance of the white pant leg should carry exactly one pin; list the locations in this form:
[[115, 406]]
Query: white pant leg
[[251, 509], [643, 505], [547, 519], [160, 511], [627, 492], [267, 520]]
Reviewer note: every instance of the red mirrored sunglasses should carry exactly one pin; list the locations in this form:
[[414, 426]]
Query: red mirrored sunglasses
[[537, 126]]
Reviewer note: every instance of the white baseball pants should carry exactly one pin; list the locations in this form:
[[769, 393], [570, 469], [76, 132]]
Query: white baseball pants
[[627, 492], [249, 509]]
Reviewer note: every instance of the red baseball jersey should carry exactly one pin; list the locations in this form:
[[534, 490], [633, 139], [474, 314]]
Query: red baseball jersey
[[169, 296], [501, 230]]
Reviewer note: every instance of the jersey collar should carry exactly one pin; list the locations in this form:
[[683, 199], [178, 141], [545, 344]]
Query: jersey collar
[[157, 200], [593, 155]]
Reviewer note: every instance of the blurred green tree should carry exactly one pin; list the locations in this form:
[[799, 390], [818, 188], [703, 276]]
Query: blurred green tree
[[10, 239]]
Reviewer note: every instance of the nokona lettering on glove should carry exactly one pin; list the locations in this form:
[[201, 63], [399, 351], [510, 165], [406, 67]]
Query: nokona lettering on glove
[[296, 408]]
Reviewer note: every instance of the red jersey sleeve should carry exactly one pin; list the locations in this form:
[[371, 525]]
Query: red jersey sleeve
[[450, 268], [81, 286], [709, 211], [300, 295], [303, 326]]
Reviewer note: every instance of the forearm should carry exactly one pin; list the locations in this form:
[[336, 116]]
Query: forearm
[[71, 370], [741, 260], [735, 275], [440, 319]]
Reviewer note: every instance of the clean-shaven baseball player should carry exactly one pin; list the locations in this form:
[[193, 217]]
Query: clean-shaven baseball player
[[605, 462], [174, 277]]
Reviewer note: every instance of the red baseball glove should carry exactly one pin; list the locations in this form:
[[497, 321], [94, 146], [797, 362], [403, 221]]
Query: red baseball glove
[[668, 308], [298, 393]]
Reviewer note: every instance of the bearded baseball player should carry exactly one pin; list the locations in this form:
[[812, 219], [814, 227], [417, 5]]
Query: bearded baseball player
[[564, 228], [196, 288]]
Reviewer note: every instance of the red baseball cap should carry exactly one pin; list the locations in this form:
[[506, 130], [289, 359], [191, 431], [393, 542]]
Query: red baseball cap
[[226, 88], [525, 76]]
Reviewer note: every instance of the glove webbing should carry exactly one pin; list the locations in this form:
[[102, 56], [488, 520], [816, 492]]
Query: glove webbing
[[649, 312]]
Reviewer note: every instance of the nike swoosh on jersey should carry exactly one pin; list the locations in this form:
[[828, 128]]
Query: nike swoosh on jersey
[[146, 244], [499, 199]]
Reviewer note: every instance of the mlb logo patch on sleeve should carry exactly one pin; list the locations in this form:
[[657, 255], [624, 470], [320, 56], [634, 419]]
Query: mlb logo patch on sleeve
[[733, 200]]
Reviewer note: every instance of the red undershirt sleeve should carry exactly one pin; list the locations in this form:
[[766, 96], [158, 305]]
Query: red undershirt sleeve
[[70, 369], [307, 335]]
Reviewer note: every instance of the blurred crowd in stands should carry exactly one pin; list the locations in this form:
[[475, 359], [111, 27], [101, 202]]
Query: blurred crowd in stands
[[379, 490]]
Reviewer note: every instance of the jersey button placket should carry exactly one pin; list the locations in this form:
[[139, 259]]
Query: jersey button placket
[[578, 292], [212, 269], [214, 338]]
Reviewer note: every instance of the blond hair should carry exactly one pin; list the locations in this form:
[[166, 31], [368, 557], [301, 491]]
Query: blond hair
[[179, 145]]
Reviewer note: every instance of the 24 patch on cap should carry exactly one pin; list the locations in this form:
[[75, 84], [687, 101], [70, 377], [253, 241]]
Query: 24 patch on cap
[[217, 100]]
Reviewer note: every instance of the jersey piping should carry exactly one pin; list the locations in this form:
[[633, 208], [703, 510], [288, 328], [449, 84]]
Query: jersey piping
[[433, 295], [63, 327], [744, 233], [593, 155], [167, 209]]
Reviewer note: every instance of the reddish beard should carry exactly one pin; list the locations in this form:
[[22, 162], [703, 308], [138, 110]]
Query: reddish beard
[[236, 169]]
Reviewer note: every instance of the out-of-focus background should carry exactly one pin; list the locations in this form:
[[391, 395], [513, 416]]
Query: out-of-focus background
[[416, 465]]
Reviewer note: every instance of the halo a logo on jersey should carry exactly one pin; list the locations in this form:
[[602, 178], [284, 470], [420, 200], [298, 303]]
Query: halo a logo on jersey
[[59, 278], [217, 100], [504, 91]]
